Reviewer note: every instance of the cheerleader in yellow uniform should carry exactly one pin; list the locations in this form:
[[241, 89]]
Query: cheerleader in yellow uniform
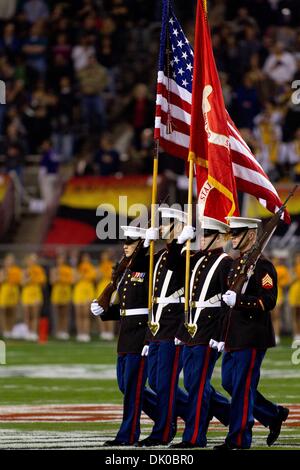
[[10, 278], [34, 278], [294, 299], [104, 277], [284, 279], [61, 279], [83, 294]]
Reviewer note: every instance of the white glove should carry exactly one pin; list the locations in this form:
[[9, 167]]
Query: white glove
[[177, 342], [145, 350], [213, 344], [229, 298], [151, 234], [187, 233], [96, 309], [221, 346]]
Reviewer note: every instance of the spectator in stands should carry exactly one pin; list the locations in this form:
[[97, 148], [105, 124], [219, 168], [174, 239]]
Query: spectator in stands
[[280, 66], [10, 279], [293, 156], [34, 48], [61, 280], [34, 278], [63, 121], [260, 81], [107, 158], [139, 112], [291, 121], [35, 10], [93, 80], [62, 47], [49, 173], [246, 104], [268, 133], [242, 20], [82, 52], [294, 298], [9, 42], [7, 9], [83, 294], [104, 273]]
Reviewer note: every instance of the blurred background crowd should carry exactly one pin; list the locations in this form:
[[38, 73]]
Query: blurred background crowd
[[81, 75], [80, 82]]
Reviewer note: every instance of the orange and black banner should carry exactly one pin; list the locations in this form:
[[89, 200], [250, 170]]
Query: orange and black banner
[[76, 218]]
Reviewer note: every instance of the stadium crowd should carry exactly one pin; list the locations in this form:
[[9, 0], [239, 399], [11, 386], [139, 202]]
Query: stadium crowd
[[80, 82]]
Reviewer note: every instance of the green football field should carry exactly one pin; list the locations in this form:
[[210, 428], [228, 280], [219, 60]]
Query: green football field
[[64, 395]]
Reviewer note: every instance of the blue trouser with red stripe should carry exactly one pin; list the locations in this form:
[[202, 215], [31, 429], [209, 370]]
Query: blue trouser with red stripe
[[240, 377], [219, 405], [198, 366], [132, 375], [164, 366]]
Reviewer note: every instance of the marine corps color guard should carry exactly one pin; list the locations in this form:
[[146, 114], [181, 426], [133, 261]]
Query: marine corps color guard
[[159, 349]]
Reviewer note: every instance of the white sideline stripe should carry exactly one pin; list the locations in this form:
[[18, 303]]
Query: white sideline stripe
[[105, 372], [50, 371]]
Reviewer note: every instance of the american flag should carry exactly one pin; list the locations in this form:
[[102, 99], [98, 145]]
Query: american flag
[[174, 87], [173, 114]]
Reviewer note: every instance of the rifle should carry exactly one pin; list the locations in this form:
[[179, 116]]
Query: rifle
[[247, 262]]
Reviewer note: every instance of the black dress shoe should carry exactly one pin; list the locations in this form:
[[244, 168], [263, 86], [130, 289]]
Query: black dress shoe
[[184, 445], [276, 427], [116, 442], [149, 442], [226, 446]]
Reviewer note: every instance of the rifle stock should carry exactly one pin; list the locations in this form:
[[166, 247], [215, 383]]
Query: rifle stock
[[105, 296], [250, 258]]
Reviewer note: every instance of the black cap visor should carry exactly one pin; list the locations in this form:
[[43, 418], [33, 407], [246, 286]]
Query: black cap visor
[[235, 232], [131, 241]]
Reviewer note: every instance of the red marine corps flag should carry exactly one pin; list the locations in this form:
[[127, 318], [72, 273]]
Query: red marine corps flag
[[209, 139]]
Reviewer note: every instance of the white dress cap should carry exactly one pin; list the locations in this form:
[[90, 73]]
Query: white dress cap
[[169, 213], [209, 223], [243, 222], [133, 232]]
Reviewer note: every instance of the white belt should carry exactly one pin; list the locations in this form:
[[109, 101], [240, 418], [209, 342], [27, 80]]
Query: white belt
[[209, 303], [171, 299], [134, 311], [205, 304], [168, 300]]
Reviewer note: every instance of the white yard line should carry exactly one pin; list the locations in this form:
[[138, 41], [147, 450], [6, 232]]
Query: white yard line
[[108, 372]]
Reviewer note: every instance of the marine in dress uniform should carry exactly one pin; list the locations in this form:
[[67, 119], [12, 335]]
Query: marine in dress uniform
[[164, 357], [249, 332], [210, 268], [132, 311]]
